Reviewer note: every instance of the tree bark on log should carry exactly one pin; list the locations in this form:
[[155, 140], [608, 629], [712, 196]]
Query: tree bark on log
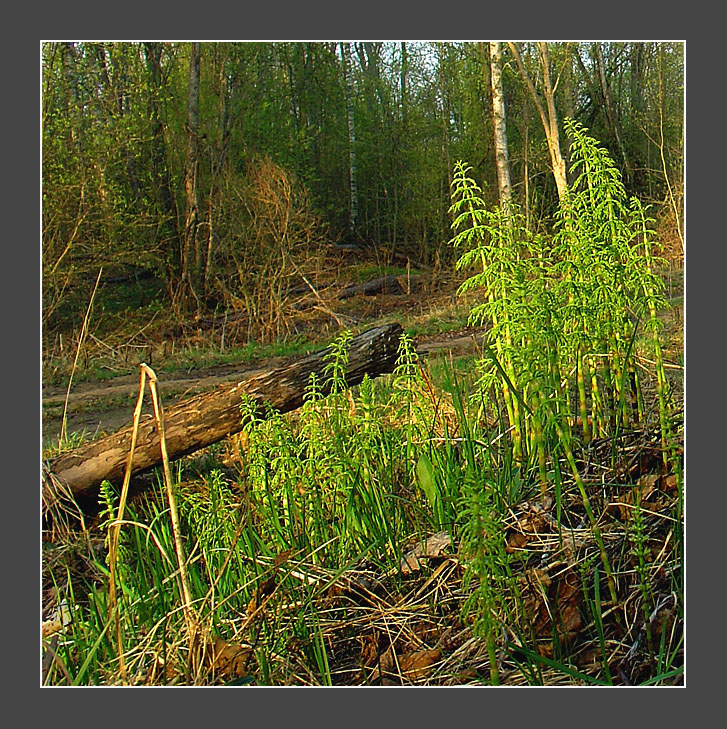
[[392, 284], [208, 418]]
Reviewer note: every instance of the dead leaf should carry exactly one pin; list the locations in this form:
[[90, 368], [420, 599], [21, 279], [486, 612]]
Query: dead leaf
[[418, 665], [356, 585], [669, 483], [515, 542], [546, 649], [230, 659], [431, 548], [568, 600], [541, 576], [573, 541], [661, 621], [553, 603], [387, 661], [369, 648], [266, 589], [282, 558], [645, 486], [532, 519], [413, 666]]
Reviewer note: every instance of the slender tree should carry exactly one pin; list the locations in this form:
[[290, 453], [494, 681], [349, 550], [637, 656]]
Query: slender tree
[[403, 84], [218, 156], [161, 187], [609, 105], [352, 179], [444, 111], [601, 97], [499, 127], [548, 115], [191, 268]]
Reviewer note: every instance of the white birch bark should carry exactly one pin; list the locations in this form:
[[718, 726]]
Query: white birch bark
[[348, 78], [502, 160]]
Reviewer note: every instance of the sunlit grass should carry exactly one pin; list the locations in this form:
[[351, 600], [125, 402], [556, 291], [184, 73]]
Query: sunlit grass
[[295, 533]]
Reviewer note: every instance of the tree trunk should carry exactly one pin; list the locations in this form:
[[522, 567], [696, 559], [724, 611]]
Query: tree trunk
[[611, 116], [392, 284], [192, 268], [569, 98], [169, 238], [553, 135], [549, 120], [602, 99], [444, 115], [353, 182], [403, 85], [500, 130], [208, 418], [526, 159], [636, 81], [218, 157]]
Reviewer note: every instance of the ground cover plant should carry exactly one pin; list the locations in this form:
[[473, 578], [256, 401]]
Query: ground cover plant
[[515, 522]]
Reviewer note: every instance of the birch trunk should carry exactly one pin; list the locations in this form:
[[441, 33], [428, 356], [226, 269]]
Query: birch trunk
[[500, 129], [353, 183], [549, 119]]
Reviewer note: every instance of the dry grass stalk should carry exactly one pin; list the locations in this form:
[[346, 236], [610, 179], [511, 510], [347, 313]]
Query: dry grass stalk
[[189, 615], [81, 340], [190, 619], [116, 527]]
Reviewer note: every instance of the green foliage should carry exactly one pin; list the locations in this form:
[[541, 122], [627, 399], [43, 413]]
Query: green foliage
[[488, 576], [356, 474], [115, 146], [564, 320], [572, 307], [338, 488]]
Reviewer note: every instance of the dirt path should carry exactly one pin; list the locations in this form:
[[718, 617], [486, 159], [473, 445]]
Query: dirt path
[[99, 407]]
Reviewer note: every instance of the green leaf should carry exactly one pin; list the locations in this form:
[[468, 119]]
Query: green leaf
[[425, 472]]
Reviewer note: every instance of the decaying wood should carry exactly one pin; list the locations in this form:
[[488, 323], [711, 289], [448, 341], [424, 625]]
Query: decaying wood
[[384, 285], [208, 418]]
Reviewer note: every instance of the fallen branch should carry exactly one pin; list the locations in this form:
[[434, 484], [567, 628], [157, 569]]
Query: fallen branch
[[208, 418], [309, 294]]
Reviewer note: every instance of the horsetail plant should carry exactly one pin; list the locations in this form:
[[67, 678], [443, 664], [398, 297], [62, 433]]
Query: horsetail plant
[[357, 475], [562, 322], [491, 240], [652, 288]]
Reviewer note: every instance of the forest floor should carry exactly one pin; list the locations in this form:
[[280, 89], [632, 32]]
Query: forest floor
[[98, 404], [411, 631]]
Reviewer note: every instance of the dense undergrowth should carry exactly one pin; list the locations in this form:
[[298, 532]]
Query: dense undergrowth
[[520, 524]]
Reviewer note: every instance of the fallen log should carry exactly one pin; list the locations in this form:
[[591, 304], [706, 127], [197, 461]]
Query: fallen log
[[391, 284], [210, 417]]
